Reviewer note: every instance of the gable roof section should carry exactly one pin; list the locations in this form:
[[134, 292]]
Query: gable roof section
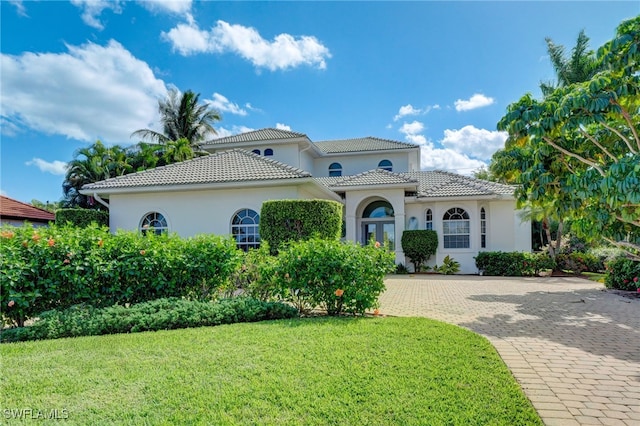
[[438, 184], [374, 177], [368, 143], [261, 135], [14, 209], [237, 165]]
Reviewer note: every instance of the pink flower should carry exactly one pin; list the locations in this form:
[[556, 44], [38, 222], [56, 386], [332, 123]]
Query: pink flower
[[626, 281], [143, 252], [36, 237], [635, 279], [377, 244], [11, 303], [51, 242], [339, 292], [66, 261]]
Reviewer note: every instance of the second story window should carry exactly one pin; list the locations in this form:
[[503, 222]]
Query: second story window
[[268, 152], [385, 165], [335, 169]]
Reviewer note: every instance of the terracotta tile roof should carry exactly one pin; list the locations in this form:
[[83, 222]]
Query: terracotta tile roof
[[237, 165], [429, 184], [258, 136], [368, 143], [374, 177], [14, 209], [438, 183]]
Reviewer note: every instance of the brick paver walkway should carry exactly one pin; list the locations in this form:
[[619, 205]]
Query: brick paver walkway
[[573, 346]]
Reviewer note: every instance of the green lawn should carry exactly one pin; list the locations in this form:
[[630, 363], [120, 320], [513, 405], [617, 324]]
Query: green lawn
[[322, 371]]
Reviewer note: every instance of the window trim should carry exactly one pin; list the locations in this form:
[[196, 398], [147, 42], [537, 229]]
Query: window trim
[[335, 169], [246, 245], [465, 221], [386, 165], [483, 227], [428, 219], [150, 217]]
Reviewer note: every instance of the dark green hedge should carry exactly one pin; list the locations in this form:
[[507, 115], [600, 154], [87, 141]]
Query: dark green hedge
[[161, 314], [419, 245], [295, 220], [513, 264], [82, 217]]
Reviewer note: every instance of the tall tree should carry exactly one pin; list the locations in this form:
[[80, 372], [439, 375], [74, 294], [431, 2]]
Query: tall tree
[[182, 117], [593, 129], [543, 170]]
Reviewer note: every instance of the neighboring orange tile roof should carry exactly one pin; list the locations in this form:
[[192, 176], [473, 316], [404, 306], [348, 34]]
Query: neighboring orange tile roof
[[14, 209]]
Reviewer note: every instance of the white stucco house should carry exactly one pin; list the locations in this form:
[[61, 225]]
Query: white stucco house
[[378, 181]]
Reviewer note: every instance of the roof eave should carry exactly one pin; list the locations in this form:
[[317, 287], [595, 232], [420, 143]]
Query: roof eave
[[490, 197], [197, 186]]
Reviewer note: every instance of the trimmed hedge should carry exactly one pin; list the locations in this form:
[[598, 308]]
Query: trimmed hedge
[[57, 267], [419, 245], [623, 274], [282, 221], [81, 217], [513, 264], [579, 262], [161, 314]]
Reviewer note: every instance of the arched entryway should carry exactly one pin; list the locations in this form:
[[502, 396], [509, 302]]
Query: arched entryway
[[378, 224]]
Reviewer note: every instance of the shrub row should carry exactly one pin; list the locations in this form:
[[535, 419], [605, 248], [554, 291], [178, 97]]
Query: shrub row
[[57, 267], [623, 274], [81, 217], [513, 264], [318, 274], [579, 262], [161, 314]]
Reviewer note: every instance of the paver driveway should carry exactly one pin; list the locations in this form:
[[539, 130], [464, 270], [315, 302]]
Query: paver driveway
[[573, 346]]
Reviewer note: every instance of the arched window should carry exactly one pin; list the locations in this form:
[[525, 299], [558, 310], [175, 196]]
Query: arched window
[[385, 165], [335, 169], [256, 151], [455, 228], [153, 222], [483, 228], [244, 228], [378, 209], [268, 152], [428, 219]]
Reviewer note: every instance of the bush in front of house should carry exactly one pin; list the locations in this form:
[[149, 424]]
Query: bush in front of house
[[334, 276], [294, 220], [60, 266], [81, 217], [623, 274], [160, 314], [578, 262], [419, 245], [513, 264]]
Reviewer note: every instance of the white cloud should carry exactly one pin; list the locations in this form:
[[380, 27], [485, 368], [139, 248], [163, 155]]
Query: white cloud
[[283, 127], [55, 167], [100, 92], [92, 9], [20, 9], [412, 128], [432, 157], [478, 100], [476, 143], [285, 51], [408, 109], [179, 7], [221, 132], [222, 104]]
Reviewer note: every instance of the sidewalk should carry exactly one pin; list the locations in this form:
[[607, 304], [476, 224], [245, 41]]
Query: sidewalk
[[573, 347]]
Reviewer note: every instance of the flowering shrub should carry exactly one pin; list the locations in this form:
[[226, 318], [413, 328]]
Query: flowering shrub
[[623, 274], [57, 267], [337, 277], [513, 264], [578, 262]]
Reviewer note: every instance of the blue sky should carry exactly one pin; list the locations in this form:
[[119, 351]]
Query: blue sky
[[439, 74]]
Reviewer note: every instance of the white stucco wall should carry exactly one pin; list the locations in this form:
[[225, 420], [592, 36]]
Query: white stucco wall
[[190, 213], [505, 232], [354, 164]]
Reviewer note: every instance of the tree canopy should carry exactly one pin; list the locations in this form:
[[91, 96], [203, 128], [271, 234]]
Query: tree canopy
[[580, 147]]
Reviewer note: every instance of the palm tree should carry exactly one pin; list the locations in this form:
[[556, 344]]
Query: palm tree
[[577, 68], [182, 117]]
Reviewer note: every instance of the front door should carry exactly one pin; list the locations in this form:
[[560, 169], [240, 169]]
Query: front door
[[379, 231]]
